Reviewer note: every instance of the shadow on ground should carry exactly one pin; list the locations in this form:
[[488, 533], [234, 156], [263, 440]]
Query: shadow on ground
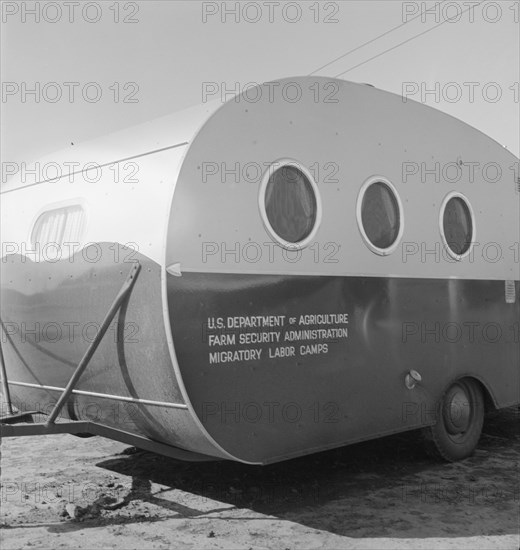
[[385, 487]]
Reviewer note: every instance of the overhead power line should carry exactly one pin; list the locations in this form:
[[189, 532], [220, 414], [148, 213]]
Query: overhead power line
[[372, 40], [399, 45]]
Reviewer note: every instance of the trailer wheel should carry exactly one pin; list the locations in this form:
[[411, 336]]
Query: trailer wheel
[[459, 422]]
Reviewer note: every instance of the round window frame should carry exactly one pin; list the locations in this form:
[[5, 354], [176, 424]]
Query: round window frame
[[271, 169], [446, 200], [359, 207]]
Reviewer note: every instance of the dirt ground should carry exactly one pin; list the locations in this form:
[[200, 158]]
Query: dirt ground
[[66, 492]]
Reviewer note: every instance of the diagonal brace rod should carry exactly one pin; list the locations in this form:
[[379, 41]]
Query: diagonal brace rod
[[5, 385], [123, 292]]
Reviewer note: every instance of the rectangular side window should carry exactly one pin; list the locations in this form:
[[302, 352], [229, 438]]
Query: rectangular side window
[[59, 226]]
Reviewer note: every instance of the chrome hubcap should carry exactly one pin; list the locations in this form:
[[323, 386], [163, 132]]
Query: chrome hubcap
[[457, 410]]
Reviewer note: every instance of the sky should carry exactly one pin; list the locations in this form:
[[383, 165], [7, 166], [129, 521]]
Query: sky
[[98, 67]]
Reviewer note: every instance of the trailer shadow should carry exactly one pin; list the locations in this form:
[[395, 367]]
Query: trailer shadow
[[382, 488]]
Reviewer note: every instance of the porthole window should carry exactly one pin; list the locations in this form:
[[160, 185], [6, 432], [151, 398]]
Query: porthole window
[[379, 214], [457, 225], [289, 203]]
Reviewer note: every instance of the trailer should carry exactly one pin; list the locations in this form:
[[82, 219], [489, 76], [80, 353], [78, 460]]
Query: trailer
[[309, 264]]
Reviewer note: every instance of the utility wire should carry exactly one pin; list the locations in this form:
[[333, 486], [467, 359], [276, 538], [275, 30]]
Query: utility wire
[[399, 45], [369, 41]]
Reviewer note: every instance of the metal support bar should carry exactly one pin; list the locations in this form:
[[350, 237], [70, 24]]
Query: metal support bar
[[5, 386], [82, 427], [14, 418], [123, 292]]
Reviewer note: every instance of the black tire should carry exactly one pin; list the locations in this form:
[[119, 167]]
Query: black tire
[[460, 416]]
